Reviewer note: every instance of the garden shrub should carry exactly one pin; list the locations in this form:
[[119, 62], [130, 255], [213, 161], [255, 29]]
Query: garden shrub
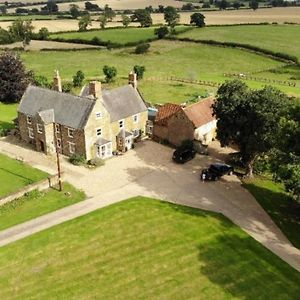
[[77, 159], [142, 48], [96, 162]]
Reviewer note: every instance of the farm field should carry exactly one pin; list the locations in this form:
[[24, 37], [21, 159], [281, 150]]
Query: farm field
[[165, 59], [147, 249], [278, 38], [278, 204], [36, 204], [15, 175]]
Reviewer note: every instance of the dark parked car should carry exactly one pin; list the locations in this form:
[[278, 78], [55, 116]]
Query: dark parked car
[[215, 171], [183, 155]]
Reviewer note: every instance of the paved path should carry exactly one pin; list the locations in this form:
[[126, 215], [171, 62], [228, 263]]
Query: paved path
[[148, 171]]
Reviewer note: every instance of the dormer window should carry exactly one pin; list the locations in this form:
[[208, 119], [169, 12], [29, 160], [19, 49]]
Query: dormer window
[[98, 115], [29, 120], [39, 128], [70, 132]]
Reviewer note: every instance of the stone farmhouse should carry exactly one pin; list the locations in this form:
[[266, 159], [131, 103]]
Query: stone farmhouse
[[94, 124], [174, 123]]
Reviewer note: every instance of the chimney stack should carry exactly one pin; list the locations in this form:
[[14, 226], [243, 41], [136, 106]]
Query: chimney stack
[[95, 89], [57, 82], [132, 79]]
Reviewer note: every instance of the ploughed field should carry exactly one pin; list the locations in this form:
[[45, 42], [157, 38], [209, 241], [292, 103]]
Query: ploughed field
[[146, 249]]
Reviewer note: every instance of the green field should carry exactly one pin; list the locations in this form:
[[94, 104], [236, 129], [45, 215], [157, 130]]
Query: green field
[[280, 206], [144, 249], [15, 175], [8, 112], [185, 60], [114, 35], [36, 204], [278, 38]]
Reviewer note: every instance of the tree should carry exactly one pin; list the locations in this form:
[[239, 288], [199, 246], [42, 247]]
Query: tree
[[248, 119], [14, 78], [206, 5], [74, 11], [125, 20], [139, 71], [171, 16], [142, 48], [285, 161], [43, 33], [51, 7], [223, 4], [21, 31], [42, 81], [161, 32], [143, 17], [3, 10], [161, 8], [253, 4], [103, 21], [5, 37], [110, 73], [91, 6], [78, 78], [109, 13], [236, 4], [197, 19], [188, 6], [84, 22]]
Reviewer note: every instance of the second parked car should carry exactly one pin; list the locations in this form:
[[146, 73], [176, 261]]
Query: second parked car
[[215, 171], [183, 155]]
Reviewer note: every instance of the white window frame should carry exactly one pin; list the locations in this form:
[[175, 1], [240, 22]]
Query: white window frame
[[104, 151], [72, 148], [30, 133], [123, 124], [71, 135], [100, 131], [57, 129], [58, 143], [135, 118], [29, 120], [39, 128], [98, 115]]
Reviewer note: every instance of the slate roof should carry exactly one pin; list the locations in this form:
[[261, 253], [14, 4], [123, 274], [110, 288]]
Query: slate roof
[[121, 102], [69, 110], [165, 112], [200, 113]]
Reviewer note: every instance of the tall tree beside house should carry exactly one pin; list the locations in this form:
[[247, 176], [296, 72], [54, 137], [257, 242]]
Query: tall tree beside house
[[248, 119], [78, 78], [197, 19], [21, 30], [110, 73], [171, 16], [13, 77]]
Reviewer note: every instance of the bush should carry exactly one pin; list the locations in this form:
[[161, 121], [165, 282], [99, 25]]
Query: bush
[[96, 162], [142, 48], [187, 144], [77, 159], [78, 79], [67, 87]]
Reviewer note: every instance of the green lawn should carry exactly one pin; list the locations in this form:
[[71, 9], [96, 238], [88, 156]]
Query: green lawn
[[279, 38], [36, 204], [114, 35], [8, 112], [144, 249], [15, 175], [282, 208]]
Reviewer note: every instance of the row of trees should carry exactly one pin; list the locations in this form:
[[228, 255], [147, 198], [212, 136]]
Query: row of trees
[[265, 125]]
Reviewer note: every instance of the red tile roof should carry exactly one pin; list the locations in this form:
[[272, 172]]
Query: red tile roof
[[200, 113], [165, 112]]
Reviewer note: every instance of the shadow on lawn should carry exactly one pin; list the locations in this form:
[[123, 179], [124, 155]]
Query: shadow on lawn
[[284, 210], [247, 270], [6, 125], [27, 180]]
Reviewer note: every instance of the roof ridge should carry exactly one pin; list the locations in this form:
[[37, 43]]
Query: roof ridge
[[198, 102]]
